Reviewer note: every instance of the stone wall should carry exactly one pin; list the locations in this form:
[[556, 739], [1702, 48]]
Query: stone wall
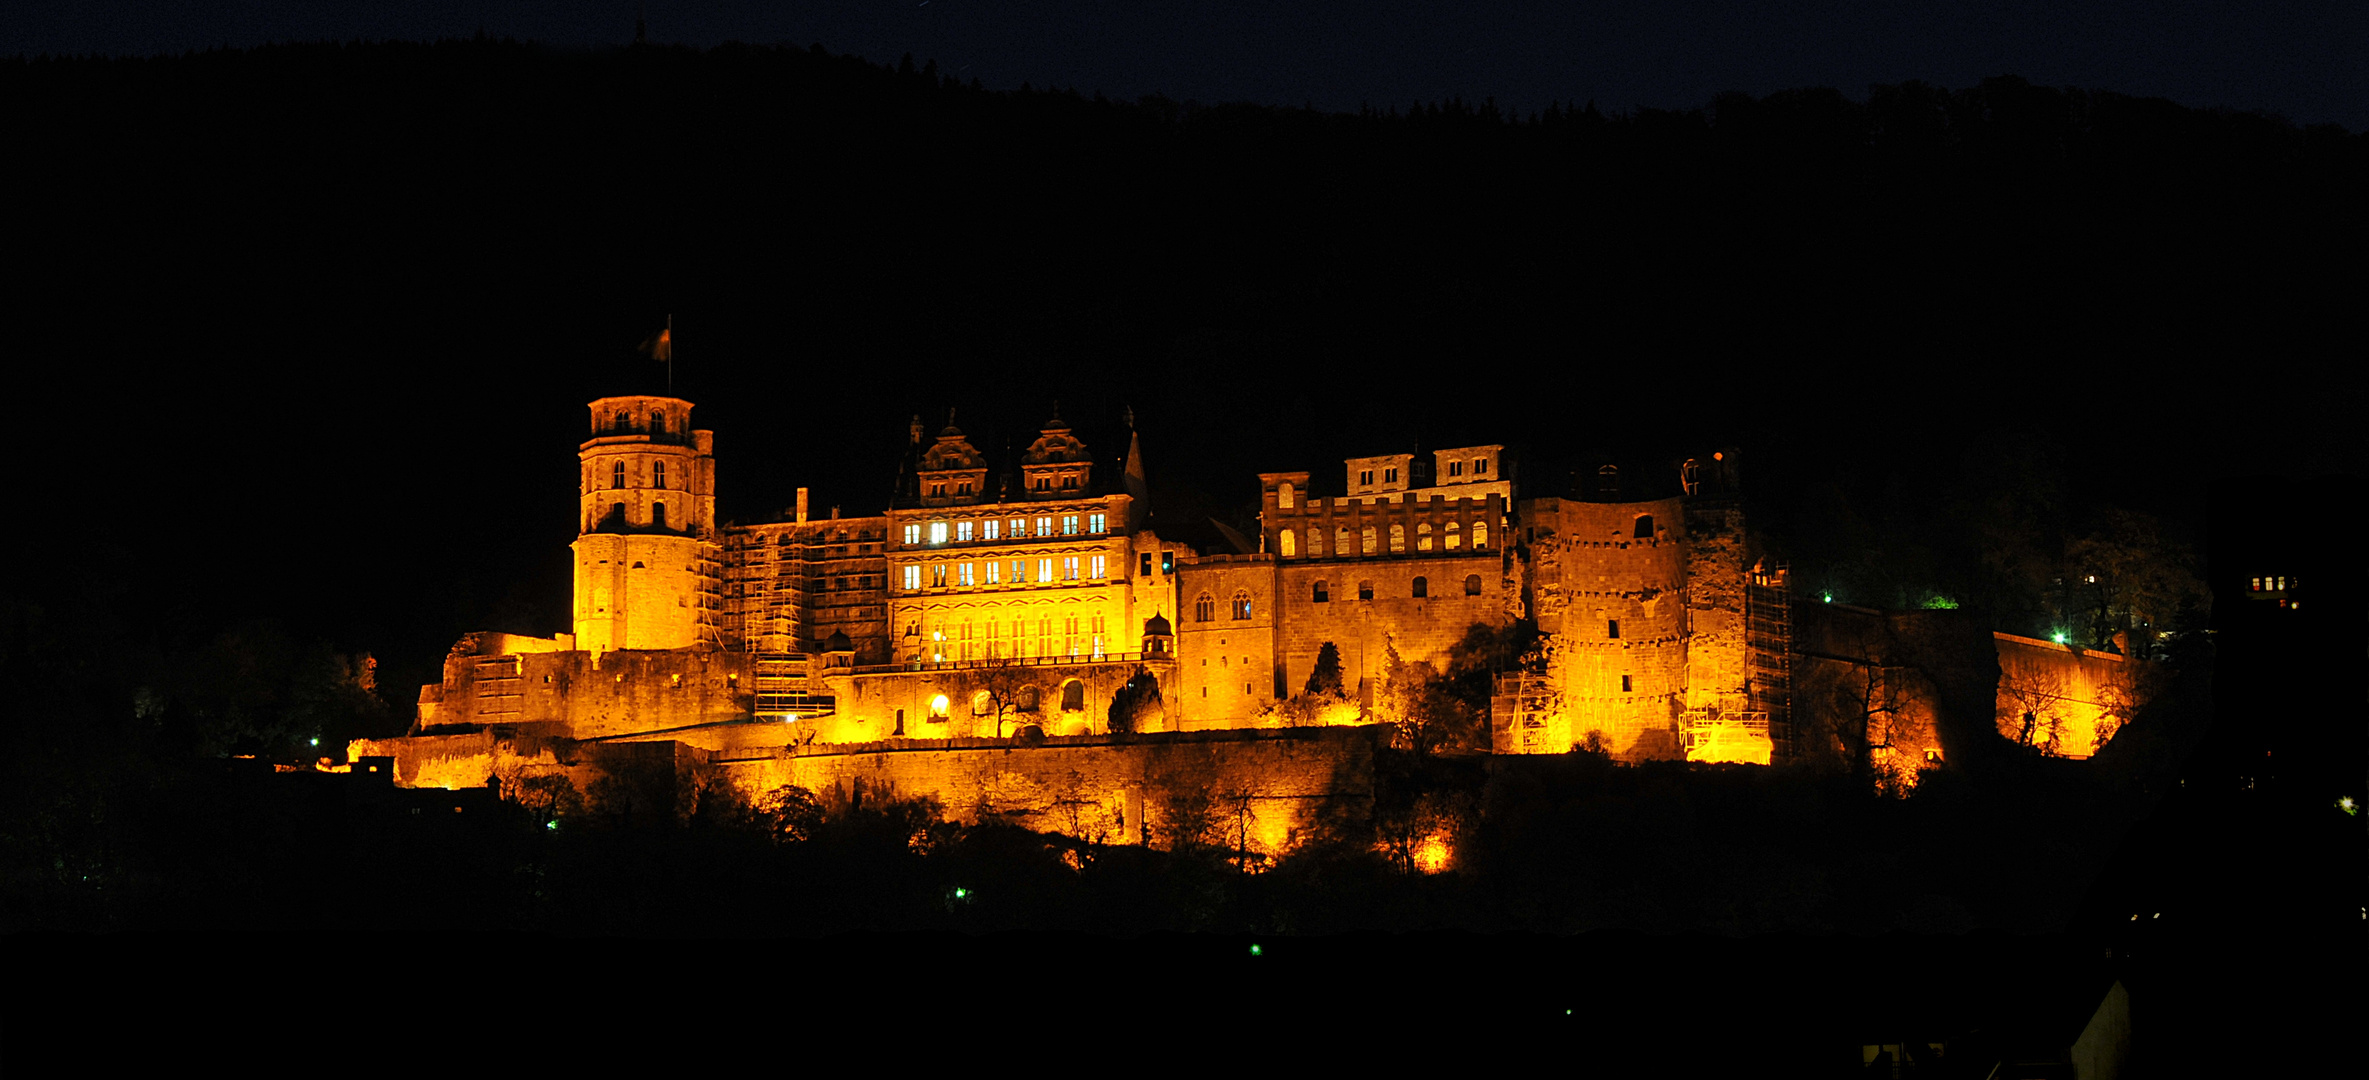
[[587, 695], [1615, 603], [2062, 701], [872, 705]]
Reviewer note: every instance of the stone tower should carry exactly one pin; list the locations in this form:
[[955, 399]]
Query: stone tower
[[647, 558]]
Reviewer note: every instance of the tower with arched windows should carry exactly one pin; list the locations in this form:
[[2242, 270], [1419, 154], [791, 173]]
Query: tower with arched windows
[[646, 549]]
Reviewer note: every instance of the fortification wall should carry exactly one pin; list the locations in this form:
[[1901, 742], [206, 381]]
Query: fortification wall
[[1421, 628], [1614, 602], [588, 695], [872, 705], [1267, 790], [1227, 668], [2062, 701], [1718, 567]]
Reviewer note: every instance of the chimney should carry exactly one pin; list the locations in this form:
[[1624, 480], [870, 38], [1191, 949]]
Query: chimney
[[834, 513], [801, 506]]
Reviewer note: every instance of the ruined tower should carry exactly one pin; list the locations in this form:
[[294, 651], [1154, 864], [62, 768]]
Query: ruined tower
[[646, 548]]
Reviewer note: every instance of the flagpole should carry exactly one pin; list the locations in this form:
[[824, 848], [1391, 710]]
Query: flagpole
[[670, 354]]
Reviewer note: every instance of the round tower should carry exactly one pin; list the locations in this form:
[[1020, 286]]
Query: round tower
[[646, 553]]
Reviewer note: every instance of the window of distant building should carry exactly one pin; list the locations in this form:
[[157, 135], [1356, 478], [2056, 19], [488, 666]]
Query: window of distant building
[[962, 531], [937, 532], [1398, 539], [962, 574], [1019, 571], [1069, 524], [937, 490], [1098, 567], [1423, 536], [1422, 588], [1365, 478], [1284, 495], [1342, 542], [1455, 537], [1069, 568], [1143, 567], [1643, 529], [1624, 684], [1455, 468], [1019, 528], [988, 529], [658, 515], [1365, 542], [658, 475], [1241, 604], [1167, 561], [1044, 526], [912, 534], [617, 475], [1044, 483], [1068, 482], [939, 706], [1472, 585], [1320, 595], [657, 422], [938, 575], [1480, 466], [1205, 608], [1073, 696], [995, 573], [624, 422], [1390, 476], [1097, 524], [1044, 569], [1480, 535]]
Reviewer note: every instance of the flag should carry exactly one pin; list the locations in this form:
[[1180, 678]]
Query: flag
[[661, 345]]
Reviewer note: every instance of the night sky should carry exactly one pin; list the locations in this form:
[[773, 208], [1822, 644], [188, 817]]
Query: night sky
[[2302, 59]]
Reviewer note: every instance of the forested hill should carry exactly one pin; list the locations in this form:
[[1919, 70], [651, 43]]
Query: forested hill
[[350, 296]]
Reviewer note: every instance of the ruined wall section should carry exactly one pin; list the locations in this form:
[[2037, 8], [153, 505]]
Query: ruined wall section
[[1613, 597], [1718, 564], [1227, 665], [1422, 628], [878, 705], [1265, 790], [2061, 701], [585, 695]]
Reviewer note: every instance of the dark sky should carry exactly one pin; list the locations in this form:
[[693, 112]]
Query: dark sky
[[2307, 60]]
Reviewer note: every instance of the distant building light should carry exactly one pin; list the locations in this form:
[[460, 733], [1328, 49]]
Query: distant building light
[[2058, 637]]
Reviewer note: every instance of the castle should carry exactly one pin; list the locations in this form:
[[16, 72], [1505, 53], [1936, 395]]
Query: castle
[[1004, 635]]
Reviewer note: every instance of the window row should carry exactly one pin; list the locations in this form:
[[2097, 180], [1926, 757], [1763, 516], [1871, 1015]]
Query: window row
[[658, 477], [1009, 571], [998, 639], [1420, 588], [963, 532], [2270, 584], [1368, 540], [1205, 608]]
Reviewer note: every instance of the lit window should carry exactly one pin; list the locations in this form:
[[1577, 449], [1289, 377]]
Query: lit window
[[1069, 568], [1241, 605], [1019, 571], [1019, 528], [1480, 535], [1099, 567], [1069, 524], [1423, 536], [1095, 523], [1365, 543], [1205, 608], [1284, 495], [938, 708], [1398, 539], [962, 574], [962, 531], [1455, 537], [1284, 544], [995, 573], [938, 575], [937, 532], [990, 528], [912, 577], [1044, 569], [912, 534], [1044, 526]]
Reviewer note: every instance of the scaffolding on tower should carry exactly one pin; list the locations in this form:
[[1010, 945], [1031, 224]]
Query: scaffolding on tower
[[1768, 633]]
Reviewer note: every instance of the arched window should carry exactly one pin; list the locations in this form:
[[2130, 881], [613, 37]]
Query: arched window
[[658, 514], [1341, 541], [1365, 590], [1316, 543], [1284, 496], [658, 475], [657, 422], [1205, 608], [1073, 696], [617, 476], [1422, 588], [1480, 535], [939, 706], [982, 703], [1288, 547], [1423, 536], [1365, 541], [1455, 536], [1241, 605], [624, 422], [1320, 594], [1472, 584], [1026, 699], [1398, 539], [1643, 529]]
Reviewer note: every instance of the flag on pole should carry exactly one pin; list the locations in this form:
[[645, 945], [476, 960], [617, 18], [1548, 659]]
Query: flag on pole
[[661, 345]]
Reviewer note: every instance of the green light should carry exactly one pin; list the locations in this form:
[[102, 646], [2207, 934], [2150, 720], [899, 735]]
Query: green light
[[962, 894], [2058, 637], [551, 825], [316, 740], [1828, 597], [1256, 951], [2346, 804]]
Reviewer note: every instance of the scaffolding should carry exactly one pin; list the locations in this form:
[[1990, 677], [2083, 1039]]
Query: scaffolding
[[1768, 632], [1521, 715]]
